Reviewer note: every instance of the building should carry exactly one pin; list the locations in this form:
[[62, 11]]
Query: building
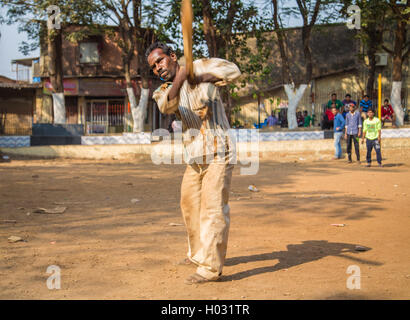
[[17, 101], [94, 86], [337, 68]]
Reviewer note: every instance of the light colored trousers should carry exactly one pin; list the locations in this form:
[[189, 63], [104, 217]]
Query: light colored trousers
[[205, 209], [338, 148]]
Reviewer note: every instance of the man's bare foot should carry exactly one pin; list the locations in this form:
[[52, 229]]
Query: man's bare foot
[[197, 279], [184, 262]]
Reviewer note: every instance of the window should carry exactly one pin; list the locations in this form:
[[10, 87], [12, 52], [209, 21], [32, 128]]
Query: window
[[89, 52]]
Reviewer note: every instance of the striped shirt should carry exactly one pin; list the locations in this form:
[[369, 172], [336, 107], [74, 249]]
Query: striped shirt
[[365, 105], [201, 107], [353, 123]]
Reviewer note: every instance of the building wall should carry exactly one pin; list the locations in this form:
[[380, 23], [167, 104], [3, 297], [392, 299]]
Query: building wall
[[110, 58], [17, 108], [274, 100], [353, 83], [329, 56]]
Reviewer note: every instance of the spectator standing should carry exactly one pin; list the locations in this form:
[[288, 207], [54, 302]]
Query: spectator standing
[[365, 105], [283, 120], [308, 119], [372, 129], [353, 132], [272, 120], [338, 125], [388, 113]]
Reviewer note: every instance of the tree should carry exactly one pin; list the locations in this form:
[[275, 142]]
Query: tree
[[309, 12], [400, 52], [221, 29], [373, 25], [281, 36], [377, 17], [31, 16], [127, 15]]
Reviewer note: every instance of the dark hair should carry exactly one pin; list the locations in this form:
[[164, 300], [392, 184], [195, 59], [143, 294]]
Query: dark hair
[[165, 48], [366, 95], [386, 100], [348, 95], [334, 94], [371, 109]]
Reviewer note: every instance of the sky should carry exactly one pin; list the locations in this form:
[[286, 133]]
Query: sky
[[9, 43], [11, 38]]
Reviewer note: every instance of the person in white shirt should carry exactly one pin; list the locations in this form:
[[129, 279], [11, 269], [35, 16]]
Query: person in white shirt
[[205, 186]]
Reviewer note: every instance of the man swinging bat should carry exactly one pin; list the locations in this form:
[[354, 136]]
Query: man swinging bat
[[194, 98]]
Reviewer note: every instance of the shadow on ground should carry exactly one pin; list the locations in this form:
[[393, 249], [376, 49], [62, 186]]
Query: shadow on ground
[[296, 254]]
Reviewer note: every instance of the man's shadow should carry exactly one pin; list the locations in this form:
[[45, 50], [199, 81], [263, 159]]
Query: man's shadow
[[295, 255]]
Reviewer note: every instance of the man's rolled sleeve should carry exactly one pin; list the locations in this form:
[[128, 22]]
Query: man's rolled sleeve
[[219, 68], [165, 105]]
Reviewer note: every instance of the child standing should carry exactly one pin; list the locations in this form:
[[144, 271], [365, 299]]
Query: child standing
[[372, 129]]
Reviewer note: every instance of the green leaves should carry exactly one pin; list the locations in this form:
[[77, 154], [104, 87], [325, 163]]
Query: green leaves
[[31, 15]]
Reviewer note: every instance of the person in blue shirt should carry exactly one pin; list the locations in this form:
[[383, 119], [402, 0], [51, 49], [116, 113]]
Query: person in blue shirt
[[338, 127], [365, 105], [272, 120]]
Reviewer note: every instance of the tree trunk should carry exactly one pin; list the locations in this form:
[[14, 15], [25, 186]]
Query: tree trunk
[[294, 98], [130, 92], [55, 69], [209, 29], [286, 75], [399, 41], [395, 99], [141, 111], [306, 31], [371, 53]]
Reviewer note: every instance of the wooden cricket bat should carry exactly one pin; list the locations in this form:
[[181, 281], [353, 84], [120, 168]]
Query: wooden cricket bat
[[186, 21]]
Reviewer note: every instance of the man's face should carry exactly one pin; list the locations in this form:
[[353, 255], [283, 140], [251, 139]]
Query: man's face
[[333, 97], [370, 114], [163, 65], [351, 107], [366, 98], [347, 98], [334, 111]]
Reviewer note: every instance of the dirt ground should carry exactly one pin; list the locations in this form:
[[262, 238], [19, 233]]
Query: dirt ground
[[281, 245]]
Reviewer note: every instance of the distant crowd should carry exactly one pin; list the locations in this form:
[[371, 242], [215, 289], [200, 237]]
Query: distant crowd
[[327, 121], [351, 121], [343, 107]]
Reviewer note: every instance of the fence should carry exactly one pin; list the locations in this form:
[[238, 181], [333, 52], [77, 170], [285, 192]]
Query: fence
[[105, 116], [19, 124]]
